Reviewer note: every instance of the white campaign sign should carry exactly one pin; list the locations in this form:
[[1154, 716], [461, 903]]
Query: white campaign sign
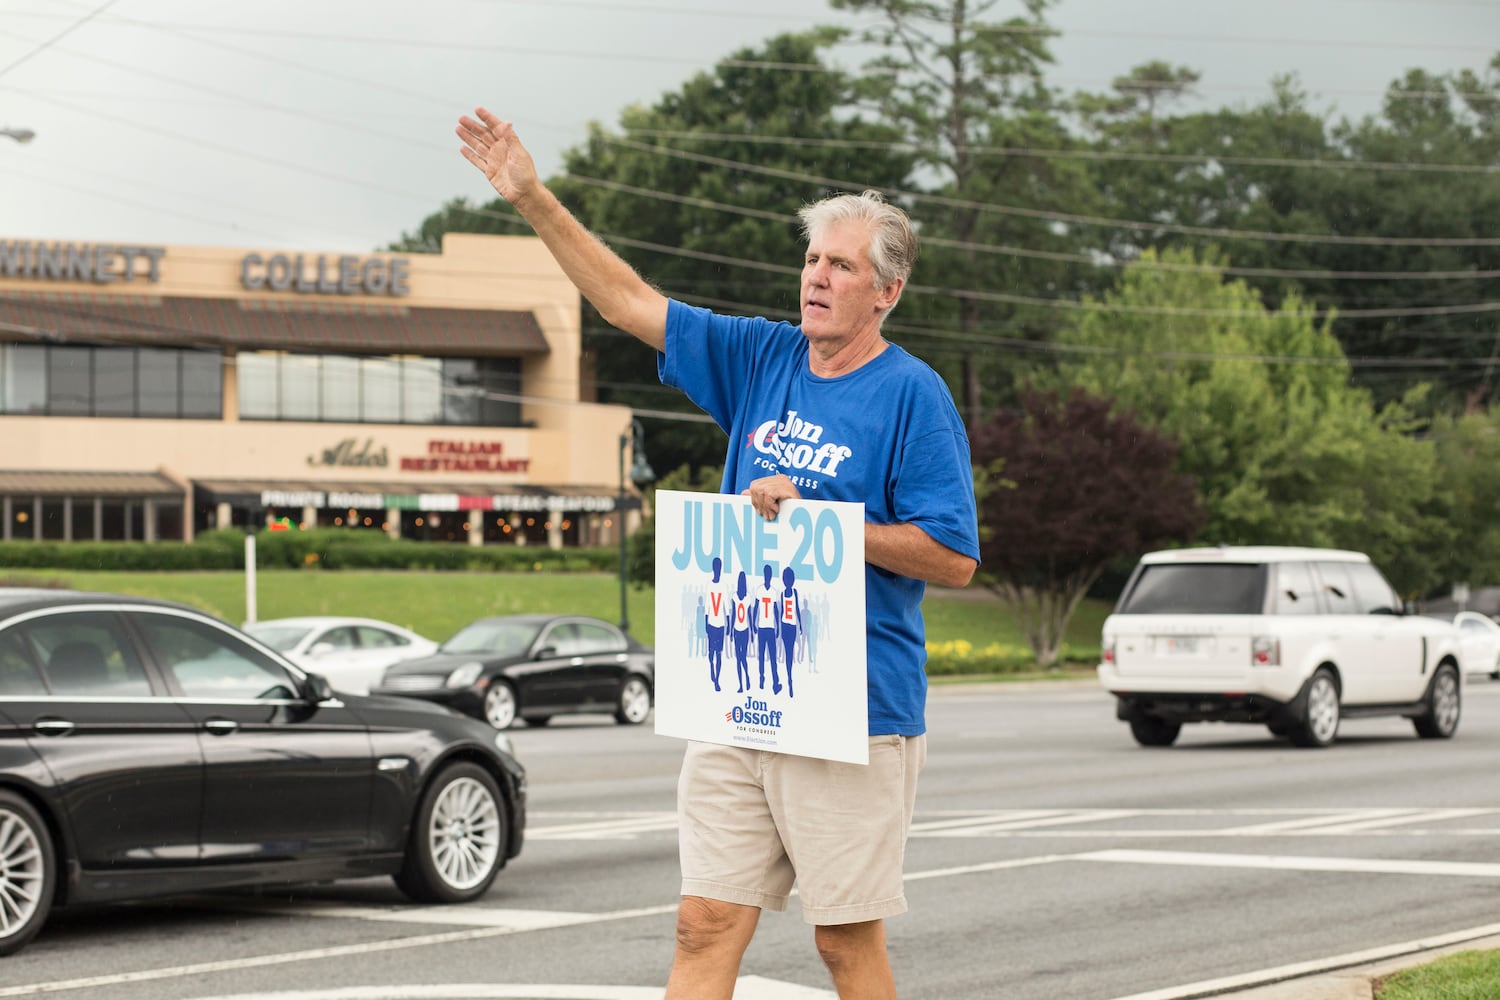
[[760, 625]]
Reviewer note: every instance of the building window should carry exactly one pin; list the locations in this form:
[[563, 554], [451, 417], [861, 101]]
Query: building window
[[300, 387], [82, 521], [114, 388], [380, 380], [422, 391], [67, 380], [157, 384], [202, 384], [474, 392], [340, 388], [23, 373], [70, 382]]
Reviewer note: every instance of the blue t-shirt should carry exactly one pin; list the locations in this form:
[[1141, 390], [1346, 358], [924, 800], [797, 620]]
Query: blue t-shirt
[[886, 435]]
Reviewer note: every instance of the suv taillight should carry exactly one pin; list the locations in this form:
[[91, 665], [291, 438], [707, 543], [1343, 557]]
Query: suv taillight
[[1265, 652], [1107, 653]]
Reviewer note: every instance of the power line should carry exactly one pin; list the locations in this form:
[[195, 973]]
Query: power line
[[1055, 255], [58, 37], [1031, 300], [1053, 216], [1083, 154]]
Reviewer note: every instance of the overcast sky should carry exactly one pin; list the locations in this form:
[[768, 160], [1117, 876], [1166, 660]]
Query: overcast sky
[[327, 125]]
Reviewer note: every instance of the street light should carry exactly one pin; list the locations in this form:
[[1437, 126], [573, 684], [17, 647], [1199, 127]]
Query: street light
[[22, 135], [640, 474]]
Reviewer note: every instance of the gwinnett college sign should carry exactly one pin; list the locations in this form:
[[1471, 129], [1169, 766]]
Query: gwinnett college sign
[[304, 274]]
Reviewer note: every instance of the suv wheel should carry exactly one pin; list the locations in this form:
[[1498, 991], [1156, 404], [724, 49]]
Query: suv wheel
[[1444, 705], [1149, 731], [1320, 712]]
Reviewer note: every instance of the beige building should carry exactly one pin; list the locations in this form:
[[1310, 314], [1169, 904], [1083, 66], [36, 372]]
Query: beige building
[[149, 392]]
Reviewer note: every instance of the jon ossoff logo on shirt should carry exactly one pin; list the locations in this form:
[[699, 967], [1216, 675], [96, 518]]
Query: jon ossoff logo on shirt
[[798, 444]]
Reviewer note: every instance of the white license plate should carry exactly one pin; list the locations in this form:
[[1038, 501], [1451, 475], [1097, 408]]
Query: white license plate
[[1181, 645]]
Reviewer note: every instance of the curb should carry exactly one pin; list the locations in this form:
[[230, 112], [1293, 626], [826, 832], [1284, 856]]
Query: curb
[[1343, 977]]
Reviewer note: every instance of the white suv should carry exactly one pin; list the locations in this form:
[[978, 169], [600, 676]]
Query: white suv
[[1291, 638]]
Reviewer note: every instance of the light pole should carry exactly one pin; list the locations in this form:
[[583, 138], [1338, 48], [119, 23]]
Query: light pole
[[21, 135], [640, 474]]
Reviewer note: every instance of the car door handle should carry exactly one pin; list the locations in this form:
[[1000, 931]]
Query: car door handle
[[53, 727], [576, 661], [221, 727]]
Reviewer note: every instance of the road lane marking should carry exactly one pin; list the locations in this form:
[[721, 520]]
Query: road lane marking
[[614, 827], [989, 825], [307, 955], [1075, 823], [1376, 866], [745, 988]]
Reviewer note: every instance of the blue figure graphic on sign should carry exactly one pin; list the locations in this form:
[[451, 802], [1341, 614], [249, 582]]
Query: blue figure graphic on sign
[[716, 612], [790, 620], [765, 631], [741, 629]]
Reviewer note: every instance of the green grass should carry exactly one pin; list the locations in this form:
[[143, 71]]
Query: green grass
[[438, 604], [1465, 975]]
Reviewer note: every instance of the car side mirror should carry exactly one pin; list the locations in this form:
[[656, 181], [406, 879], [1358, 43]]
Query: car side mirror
[[546, 653], [317, 689], [320, 649]]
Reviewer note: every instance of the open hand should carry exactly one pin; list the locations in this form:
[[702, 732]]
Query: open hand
[[491, 145]]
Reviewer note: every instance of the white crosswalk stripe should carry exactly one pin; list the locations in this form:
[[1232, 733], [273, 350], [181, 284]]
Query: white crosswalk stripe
[[1131, 824]]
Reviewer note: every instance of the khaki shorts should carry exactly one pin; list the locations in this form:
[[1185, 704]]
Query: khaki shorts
[[753, 822]]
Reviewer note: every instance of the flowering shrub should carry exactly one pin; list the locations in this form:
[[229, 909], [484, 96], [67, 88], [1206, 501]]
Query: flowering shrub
[[959, 656]]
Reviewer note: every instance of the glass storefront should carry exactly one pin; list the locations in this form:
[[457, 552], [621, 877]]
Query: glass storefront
[[86, 518]]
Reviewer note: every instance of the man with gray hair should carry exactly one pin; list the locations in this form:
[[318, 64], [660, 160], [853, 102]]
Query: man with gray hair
[[752, 823]]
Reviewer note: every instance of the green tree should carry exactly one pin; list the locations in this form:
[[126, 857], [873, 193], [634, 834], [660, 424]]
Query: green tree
[[1468, 469], [966, 90], [1389, 221], [1284, 449], [1066, 487]]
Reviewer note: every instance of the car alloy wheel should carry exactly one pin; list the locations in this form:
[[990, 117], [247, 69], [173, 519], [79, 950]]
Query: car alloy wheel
[[635, 701], [500, 705], [458, 838], [1444, 705], [1320, 713], [27, 872]]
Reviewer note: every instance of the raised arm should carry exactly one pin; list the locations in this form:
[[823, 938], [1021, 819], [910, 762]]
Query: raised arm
[[622, 297]]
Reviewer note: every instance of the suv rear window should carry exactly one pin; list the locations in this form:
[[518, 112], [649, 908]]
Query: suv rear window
[[1196, 589]]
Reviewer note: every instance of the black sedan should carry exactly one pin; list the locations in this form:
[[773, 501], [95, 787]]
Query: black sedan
[[532, 667], [149, 749]]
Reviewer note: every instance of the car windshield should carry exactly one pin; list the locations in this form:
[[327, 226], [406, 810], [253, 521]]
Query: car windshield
[[1196, 589], [279, 637], [500, 638]]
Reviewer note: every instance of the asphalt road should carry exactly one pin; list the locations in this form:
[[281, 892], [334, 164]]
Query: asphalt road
[[1051, 858]]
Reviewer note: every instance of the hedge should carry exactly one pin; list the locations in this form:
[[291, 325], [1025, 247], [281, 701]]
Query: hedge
[[320, 548]]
